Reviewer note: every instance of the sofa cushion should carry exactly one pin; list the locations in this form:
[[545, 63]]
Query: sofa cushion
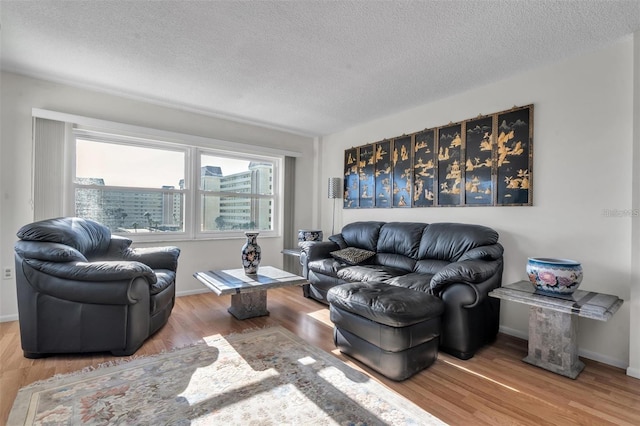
[[362, 234], [396, 261], [353, 255], [414, 281], [401, 238], [429, 266], [325, 266], [368, 273], [449, 241], [339, 240]]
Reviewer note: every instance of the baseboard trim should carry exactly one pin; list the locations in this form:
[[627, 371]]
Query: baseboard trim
[[633, 372], [192, 292], [7, 318], [595, 356]]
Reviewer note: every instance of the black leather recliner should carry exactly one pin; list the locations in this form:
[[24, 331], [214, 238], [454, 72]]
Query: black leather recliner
[[81, 289]]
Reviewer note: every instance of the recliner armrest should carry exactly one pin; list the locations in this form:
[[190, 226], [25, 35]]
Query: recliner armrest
[[66, 281], [94, 271], [118, 245], [155, 257], [50, 252]]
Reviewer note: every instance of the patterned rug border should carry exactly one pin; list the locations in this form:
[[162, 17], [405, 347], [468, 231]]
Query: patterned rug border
[[22, 403], [138, 359]]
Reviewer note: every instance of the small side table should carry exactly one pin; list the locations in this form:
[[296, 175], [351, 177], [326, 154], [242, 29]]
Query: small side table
[[553, 323]]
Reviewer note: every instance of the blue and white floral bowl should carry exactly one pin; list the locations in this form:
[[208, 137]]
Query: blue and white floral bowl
[[309, 235], [557, 276]]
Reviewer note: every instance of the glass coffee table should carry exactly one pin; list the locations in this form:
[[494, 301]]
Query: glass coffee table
[[248, 292]]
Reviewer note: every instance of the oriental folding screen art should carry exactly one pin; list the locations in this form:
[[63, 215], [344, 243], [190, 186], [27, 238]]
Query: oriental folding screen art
[[484, 161]]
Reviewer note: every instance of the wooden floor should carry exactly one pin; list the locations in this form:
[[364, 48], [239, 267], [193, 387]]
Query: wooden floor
[[493, 388]]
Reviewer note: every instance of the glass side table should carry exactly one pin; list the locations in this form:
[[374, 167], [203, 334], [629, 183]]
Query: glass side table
[[553, 323]]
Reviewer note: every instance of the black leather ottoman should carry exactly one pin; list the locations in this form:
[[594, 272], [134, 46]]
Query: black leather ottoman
[[391, 329]]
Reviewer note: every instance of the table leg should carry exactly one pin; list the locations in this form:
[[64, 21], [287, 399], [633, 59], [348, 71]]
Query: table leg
[[249, 305], [553, 342]]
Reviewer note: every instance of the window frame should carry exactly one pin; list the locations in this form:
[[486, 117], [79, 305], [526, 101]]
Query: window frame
[[191, 192], [275, 196]]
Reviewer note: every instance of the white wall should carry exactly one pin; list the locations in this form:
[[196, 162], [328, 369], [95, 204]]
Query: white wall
[[582, 166], [634, 337], [20, 94]]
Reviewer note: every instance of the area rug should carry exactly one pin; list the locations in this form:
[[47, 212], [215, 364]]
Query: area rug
[[261, 377]]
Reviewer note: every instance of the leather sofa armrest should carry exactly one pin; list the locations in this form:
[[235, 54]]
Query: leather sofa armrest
[[491, 252], [155, 257], [467, 271], [316, 250]]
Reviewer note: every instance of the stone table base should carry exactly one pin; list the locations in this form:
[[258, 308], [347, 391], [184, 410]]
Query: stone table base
[[553, 342], [248, 292], [249, 305], [553, 323]]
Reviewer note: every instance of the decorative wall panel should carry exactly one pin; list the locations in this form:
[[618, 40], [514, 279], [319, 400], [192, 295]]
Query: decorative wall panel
[[365, 171], [449, 170], [402, 172], [478, 166], [514, 157], [484, 161], [382, 162], [424, 166], [351, 179]]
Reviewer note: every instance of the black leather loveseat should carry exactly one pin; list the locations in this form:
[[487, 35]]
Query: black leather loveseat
[[81, 289], [458, 263]]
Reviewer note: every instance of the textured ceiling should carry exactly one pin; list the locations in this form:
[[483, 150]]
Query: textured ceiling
[[313, 67]]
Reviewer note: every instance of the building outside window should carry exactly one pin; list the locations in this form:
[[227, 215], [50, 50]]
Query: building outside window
[[142, 187]]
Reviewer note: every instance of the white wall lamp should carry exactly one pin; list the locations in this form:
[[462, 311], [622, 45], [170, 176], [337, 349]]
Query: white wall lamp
[[334, 191]]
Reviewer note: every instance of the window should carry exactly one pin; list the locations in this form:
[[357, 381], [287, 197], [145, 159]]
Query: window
[[234, 193], [152, 189], [130, 188]]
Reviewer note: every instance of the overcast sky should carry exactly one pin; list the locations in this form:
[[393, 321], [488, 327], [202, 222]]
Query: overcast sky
[[122, 165]]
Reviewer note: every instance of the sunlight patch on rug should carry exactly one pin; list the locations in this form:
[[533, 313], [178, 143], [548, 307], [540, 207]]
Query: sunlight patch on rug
[[266, 377]]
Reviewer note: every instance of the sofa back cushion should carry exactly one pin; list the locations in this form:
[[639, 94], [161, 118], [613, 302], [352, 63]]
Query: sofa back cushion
[[398, 244], [88, 237], [429, 266], [401, 238], [362, 235], [396, 261], [449, 241]]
